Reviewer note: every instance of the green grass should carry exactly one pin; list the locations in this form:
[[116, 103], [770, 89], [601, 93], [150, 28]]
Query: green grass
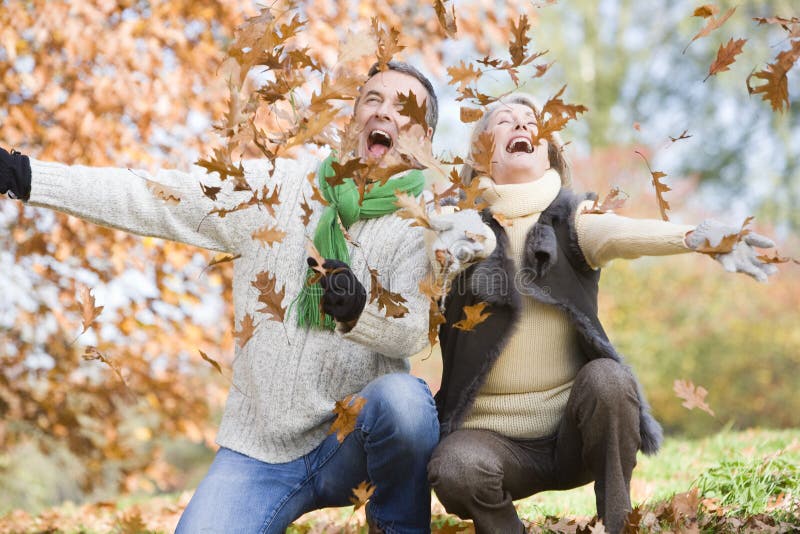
[[745, 471]]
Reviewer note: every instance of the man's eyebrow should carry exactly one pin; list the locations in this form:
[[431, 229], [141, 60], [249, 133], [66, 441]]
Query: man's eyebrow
[[373, 92]]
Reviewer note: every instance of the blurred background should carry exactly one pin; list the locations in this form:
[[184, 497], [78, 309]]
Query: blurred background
[[137, 84]]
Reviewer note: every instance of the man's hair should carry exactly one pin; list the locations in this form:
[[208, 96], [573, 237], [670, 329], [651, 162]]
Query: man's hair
[[555, 148], [432, 111]]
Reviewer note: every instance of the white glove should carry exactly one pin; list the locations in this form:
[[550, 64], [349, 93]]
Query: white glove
[[457, 240], [743, 258]]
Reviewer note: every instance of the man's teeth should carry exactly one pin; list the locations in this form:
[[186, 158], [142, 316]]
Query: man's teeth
[[519, 144], [379, 137]]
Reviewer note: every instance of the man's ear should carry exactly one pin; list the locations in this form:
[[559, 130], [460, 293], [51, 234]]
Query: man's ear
[[429, 133]]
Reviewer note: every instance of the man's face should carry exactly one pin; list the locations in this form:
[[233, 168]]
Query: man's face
[[377, 117], [515, 159]]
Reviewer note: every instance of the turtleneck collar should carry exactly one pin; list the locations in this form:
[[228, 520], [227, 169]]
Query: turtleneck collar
[[520, 200]]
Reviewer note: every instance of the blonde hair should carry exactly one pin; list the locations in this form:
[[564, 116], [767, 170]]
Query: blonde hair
[[555, 149]]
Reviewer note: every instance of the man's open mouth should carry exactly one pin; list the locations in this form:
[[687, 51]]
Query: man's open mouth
[[519, 144], [379, 143]]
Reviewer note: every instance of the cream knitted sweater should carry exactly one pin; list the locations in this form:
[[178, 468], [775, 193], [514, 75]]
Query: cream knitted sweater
[[526, 391], [286, 385]]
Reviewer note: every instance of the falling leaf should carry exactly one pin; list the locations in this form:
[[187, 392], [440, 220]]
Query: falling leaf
[[162, 192], [246, 330], [472, 197], [446, 20], [726, 242], [269, 235], [776, 88], [683, 135], [660, 188], [269, 296], [361, 494], [726, 55], [210, 360], [356, 45], [777, 258], [463, 74], [91, 353], [307, 211], [473, 317], [482, 153], [221, 163], [89, 312], [693, 397], [412, 208], [391, 302], [519, 40], [712, 24], [344, 87], [415, 145], [615, 199], [637, 126], [316, 194], [554, 116], [388, 43], [411, 108], [223, 258], [210, 192], [706, 11], [343, 171], [470, 114], [503, 220], [346, 411]]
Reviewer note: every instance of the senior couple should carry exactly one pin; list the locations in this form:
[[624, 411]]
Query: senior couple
[[534, 398]]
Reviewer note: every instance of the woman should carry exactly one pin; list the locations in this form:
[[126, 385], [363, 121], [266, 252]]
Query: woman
[[535, 397]]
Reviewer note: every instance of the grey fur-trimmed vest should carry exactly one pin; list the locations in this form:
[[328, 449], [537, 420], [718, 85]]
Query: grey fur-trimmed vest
[[554, 272]]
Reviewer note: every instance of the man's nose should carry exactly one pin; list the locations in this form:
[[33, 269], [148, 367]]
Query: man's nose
[[521, 126], [383, 110]]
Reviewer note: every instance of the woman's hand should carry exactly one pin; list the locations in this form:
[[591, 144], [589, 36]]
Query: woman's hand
[[743, 258], [15, 175]]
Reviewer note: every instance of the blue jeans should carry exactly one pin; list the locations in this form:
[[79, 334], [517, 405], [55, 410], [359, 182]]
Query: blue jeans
[[395, 434]]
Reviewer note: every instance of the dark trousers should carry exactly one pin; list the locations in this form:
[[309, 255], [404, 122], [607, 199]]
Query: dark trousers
[[477, 474]]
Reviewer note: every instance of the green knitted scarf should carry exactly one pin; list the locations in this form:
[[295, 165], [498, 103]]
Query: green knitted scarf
[[329, 239]]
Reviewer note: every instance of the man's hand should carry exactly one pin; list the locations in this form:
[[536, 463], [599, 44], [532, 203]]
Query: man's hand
[[743, 258], [343, 296], [15, 175], [458, 240]]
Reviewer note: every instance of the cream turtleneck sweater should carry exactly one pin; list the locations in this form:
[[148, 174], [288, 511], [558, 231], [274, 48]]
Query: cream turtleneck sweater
[[526, 391]]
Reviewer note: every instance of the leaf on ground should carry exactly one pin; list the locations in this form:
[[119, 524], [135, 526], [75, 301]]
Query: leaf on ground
[[412, 208], [659, 186], [211, 360], [131, 522], [726, 242], [684, 505], [693, 396], [246, 330], [391, 302], [453, 528], [712, 24], [598, 528], [269, 296], [361, 494], [473, 316], [615, 199], [726, 55], [269, 235], [775, 90], [446, 20], [89, 312], [346, 411]]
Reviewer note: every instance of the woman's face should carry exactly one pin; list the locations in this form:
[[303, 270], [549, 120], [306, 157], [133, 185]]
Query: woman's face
[[515, 159]]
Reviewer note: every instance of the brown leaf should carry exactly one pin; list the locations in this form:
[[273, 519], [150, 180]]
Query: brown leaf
[[210, 192], [388, 43], [269, 296], [482, 154], [776, 88], [412, 208], [346, 411], [413, 144], [307, 211], [223, 258], [210, 360], [554, 116], [470, 114], [519, 40], [163, 192], [681, 136], [727, 243], [615, 199], [246, 330], [89, 312], [356, 45], [712, 24], [472, 194], [705, 11], [453, 528], [435, 319], [598, 528], [411, 108], [633, 520], [446, 20], [221, 163], [693, 397], [341, 171], [660, 188], [269, 235], [91, 353], [391, 302], [344, 87], [777, 258], [361, 494], [463, 74], [473, 317], [316, 194], [726, 55]]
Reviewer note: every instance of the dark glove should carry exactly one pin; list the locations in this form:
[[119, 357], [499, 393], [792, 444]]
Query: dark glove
[[343, 295], [15, 175]]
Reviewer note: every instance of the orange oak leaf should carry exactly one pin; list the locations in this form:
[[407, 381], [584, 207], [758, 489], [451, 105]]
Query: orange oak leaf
[[412, 208], [470, 114], [473, 317], [727, 242], [776, 258], [463, 74], [482, 153], [361, 494], [89, 312], [615, 199], [391, 302], [388, 43], [519, 40], [221, 163], [316, 194], [472, 197], [659, 186], [726, 55], [712, 24], [246, 330], [411, 108], [413, 144], [775, 90], [269, 235], [554, 116], [269, 296], [307, 211], [706, 11], [693, 396], [446, 20], [344, 87], [341, 171], [503, 220], [346, 411]]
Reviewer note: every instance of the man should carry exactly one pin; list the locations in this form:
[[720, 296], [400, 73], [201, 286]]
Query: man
[[276, 459]]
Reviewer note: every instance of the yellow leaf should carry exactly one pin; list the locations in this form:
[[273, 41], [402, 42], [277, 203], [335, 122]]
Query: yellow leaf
[[473, 317], [346, 411]]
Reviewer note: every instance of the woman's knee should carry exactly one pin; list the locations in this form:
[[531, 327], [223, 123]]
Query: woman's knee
[[459, 471]]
